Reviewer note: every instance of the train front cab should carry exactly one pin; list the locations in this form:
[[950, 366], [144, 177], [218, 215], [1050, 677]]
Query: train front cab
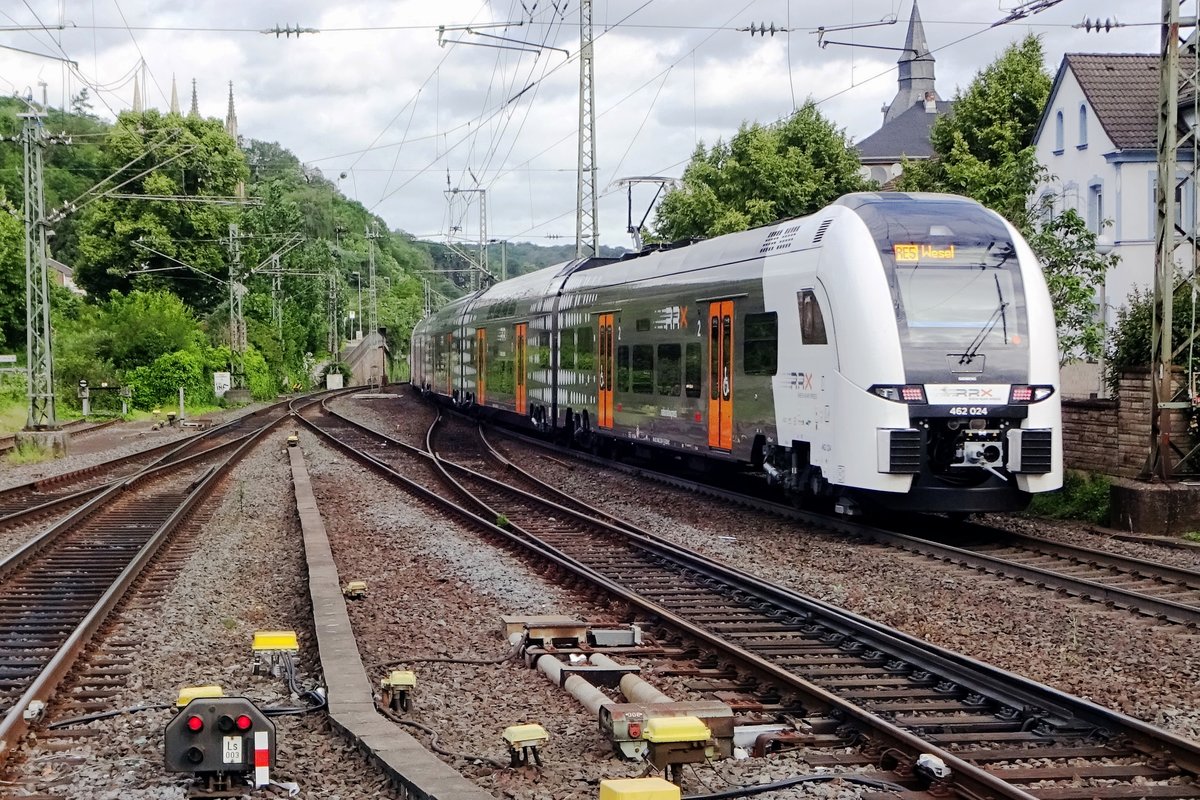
[[950, 399]]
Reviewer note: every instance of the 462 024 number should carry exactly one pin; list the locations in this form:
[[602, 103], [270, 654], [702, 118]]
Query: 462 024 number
[[969, 411]]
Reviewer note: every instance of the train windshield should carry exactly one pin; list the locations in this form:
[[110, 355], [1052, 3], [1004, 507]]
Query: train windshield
[[953, 274]]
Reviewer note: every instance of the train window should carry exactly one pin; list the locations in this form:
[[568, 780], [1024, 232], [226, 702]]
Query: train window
[[812, 321], [585, 346], [499, 368], [566, 349], [760, 343], [542, 350], [623, 368], [667, 377], [714, 358], [643, 324], [691, 370], [642, 372]]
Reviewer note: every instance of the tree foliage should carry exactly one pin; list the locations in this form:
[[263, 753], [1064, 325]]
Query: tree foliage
[[764, 173], [1073, 268], [984, 148], [181, 156]]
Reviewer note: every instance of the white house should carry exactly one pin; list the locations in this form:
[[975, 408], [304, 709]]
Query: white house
[[1097, 139]]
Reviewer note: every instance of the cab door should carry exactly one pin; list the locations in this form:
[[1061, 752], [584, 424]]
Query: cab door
[[605, 371], [480, 365], [720, 375], [520, 333]]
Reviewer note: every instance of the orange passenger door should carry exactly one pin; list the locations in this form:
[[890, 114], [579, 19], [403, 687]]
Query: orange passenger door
[[480, 365], [605, 371], [520, 334], [720, 375]]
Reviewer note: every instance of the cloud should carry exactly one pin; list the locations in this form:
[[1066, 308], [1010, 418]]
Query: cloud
[[675, 73]]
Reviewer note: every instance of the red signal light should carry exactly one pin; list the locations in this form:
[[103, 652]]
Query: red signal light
[[195, 724], [1021, 394], [243, 722]]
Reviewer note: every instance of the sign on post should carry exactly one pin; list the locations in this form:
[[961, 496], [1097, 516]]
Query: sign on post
[[221, 383]]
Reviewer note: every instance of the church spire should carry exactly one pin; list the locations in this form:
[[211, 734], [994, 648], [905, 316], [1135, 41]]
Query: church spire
[[174, 96], [137, 97], [916, 74], [231, 116], [194, 112]]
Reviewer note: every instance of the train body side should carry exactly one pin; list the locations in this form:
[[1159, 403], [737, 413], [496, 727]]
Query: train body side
[[792, 349]]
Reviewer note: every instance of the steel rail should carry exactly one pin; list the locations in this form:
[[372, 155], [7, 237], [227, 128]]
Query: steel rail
[[971, 781], [29, 706], [1028, 693], [1112, 596]]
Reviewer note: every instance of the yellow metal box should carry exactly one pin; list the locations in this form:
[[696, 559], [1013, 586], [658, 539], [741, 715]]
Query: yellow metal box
[[638, 789], [530, 735], [400, 679], [675, 729], [276, 640], [189, 693]]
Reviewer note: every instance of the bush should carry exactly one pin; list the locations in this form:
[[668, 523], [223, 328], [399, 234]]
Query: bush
[[1083, 496], [159, 382]]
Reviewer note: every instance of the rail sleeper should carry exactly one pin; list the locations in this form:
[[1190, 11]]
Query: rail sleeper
[[419, 774]]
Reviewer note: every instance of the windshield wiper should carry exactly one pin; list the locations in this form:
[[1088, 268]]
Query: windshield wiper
[[999, 315]]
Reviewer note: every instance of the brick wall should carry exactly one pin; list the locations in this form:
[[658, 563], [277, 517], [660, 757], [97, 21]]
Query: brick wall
[[1088, 427], [1113, 436]]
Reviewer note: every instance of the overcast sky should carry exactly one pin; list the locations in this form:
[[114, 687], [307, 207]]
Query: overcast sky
[[373, 96]]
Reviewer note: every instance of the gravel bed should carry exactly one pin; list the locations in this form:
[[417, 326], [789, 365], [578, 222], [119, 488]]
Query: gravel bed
[[436, 590], [244, 573], [114, 441], [1114, 658], [1082, 534]]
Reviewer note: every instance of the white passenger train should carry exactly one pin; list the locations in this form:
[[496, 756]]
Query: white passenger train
[[892, 350]]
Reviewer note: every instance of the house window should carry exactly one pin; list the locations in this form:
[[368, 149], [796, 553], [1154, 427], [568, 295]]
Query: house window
[[1082, 127], [1095, 207], [1058, 132]]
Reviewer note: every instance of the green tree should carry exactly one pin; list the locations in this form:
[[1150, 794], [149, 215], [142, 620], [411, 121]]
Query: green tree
[[764, 173], [1073, 268], [984, 148], [183, 156], [12, 276]]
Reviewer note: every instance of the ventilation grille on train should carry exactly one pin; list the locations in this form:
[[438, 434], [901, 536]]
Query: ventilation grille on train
[[820, 234], [900, 451], [1030, 451], [779, 240]]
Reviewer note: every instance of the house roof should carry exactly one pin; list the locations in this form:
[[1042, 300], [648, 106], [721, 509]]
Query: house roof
[[906, 135], [1122, 90]]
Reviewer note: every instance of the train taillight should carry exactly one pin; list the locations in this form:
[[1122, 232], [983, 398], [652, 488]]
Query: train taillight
[[1022, 393], [908, 393]]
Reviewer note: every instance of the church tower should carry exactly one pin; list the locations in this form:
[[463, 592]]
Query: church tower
[[231, 116], [194, 111], [916, 79]]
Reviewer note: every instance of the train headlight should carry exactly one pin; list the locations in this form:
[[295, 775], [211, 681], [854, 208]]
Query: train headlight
[[909, 393], [1022, 393]]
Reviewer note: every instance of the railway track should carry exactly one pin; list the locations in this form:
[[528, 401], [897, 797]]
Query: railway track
[[57, 590], [858, 682], [75, 426], [1162, 592], [57, 493]]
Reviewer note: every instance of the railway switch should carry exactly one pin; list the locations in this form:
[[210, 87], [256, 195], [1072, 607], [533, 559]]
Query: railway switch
[[523, 741], [397, 689], [272, 649], [355, 590], [226, 742], [675, 741], [638, 789], [189, 693]]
